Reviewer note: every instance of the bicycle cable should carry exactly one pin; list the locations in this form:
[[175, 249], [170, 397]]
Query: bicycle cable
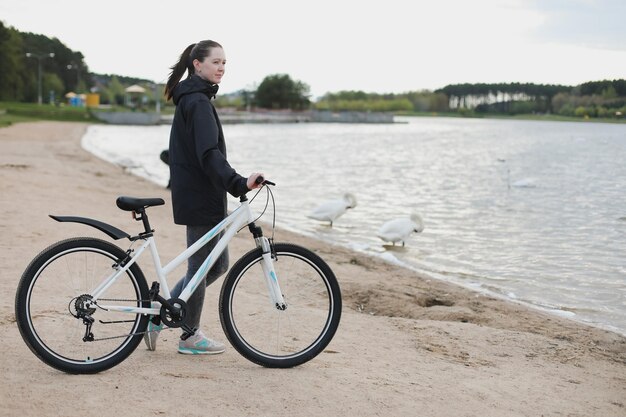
[[269, 194]]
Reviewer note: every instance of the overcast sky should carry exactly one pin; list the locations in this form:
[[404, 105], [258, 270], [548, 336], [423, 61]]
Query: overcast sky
[[333, 45]]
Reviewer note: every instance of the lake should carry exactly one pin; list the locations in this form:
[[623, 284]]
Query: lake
[[532, 211]]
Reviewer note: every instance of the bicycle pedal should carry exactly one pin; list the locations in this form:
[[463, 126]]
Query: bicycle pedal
[[154, 291], [188, 332]]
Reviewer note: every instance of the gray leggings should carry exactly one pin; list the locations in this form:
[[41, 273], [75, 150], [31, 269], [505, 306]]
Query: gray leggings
[[196, 301]]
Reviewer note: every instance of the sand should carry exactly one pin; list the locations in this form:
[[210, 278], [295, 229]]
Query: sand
[[407, 345]]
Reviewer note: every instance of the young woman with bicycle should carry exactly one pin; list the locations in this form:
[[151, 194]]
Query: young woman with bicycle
[[83, 304], [200, 176]]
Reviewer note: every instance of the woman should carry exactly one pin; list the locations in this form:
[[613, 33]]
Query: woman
[[200, 176]]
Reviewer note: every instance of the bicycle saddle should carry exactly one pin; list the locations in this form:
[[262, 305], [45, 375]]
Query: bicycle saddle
[[134, 203]]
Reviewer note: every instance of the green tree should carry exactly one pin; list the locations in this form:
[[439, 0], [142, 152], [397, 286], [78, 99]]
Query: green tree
[[236, 102], [581, 111], [115, 92], [279, 91], [609, 92], [11, 66]]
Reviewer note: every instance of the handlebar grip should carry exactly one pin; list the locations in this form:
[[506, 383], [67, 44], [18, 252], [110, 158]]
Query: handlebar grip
[[261, 180]]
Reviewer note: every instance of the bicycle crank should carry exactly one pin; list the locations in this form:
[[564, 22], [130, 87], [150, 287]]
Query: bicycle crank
[[173, 312]]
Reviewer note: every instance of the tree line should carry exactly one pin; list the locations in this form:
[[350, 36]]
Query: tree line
[[605, 98], [23, 54], [62, 69], [595, 98]]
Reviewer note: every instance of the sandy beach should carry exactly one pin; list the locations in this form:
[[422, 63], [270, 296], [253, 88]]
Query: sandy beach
[[407, 345]]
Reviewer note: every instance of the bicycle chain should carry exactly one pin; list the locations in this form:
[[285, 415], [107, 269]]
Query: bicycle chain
[[124, 335]]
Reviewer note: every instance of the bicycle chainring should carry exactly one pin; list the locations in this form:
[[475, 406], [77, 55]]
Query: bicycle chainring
[[176, 318]]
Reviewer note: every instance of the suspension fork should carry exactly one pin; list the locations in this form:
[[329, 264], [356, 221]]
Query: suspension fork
[[267, 263]]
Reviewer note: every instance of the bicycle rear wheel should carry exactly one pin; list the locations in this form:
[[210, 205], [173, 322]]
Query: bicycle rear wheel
[[56, 286], [271, 337]]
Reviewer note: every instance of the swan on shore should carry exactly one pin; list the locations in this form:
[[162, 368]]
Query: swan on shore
[[330, 210], [398, 230]]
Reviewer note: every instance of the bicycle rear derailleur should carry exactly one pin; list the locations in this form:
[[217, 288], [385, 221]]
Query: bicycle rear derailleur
[[83, 308]]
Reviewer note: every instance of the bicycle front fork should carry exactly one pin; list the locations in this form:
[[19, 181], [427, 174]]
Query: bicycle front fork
[[267, 263]]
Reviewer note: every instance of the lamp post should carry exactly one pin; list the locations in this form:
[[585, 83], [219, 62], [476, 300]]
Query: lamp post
[[39, 57]]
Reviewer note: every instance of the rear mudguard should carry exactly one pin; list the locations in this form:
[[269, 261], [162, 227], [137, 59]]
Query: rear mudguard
[[112, 231]]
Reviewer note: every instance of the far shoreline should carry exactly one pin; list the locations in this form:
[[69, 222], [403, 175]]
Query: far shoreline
[[11, 113], [533, 117]]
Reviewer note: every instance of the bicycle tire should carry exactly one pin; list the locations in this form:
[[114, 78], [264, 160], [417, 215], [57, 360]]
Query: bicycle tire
[[281, 339], [47, 293]]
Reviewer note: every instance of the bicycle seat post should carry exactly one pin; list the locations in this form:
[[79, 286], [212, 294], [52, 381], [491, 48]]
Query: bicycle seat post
[[141, 214]]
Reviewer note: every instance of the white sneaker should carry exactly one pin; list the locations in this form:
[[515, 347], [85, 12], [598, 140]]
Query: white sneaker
[[152, 334], [199, 344]]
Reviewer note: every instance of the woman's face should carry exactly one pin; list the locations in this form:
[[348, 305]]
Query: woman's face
[[213, 67]]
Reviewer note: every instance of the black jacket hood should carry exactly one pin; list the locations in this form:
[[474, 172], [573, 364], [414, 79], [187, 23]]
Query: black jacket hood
[[194, 84]]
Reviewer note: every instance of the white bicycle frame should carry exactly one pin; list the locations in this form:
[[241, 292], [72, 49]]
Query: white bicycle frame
[[239, 218]]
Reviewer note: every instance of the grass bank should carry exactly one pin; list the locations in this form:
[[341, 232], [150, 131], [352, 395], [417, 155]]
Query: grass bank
[[11, 112]]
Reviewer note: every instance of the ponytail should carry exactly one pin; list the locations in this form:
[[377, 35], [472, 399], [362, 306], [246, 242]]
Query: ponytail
[[178, 69], [198, 51]]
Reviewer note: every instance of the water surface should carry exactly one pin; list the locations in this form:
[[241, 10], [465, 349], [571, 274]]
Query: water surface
[[532, 211]]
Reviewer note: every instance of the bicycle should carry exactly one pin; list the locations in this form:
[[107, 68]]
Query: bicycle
[[83, 304]]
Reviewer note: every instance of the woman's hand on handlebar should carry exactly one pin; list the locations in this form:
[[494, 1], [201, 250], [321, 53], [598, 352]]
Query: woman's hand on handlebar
[[255, 180]]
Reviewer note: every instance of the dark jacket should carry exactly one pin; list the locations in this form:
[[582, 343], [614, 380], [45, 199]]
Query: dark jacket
[[199, 173]]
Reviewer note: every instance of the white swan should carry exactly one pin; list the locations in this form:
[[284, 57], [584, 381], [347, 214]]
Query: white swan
[[398, 230], [525, 183], [330, 210]]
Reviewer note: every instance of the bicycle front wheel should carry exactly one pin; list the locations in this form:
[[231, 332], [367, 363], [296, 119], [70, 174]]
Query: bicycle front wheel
[[281, 338], [55, 291]]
